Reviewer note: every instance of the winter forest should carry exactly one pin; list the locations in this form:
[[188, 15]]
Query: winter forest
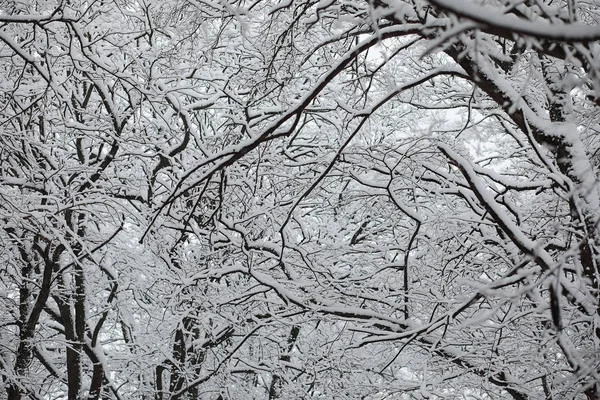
[[299, 199]]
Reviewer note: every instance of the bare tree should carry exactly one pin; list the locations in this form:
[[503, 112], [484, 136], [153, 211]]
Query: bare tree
[[300, 199]]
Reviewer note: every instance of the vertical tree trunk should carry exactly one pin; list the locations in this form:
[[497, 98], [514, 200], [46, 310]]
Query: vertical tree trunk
[[24, 351], [29, 312], [276, 387]]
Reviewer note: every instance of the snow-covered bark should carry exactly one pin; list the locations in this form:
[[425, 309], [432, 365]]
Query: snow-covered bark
[[213, 200]]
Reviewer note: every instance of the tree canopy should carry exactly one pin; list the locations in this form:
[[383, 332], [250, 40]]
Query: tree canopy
[[334, 199]]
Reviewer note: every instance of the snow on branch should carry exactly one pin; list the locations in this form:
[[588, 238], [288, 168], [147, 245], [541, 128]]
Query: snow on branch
[[490, 17]]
